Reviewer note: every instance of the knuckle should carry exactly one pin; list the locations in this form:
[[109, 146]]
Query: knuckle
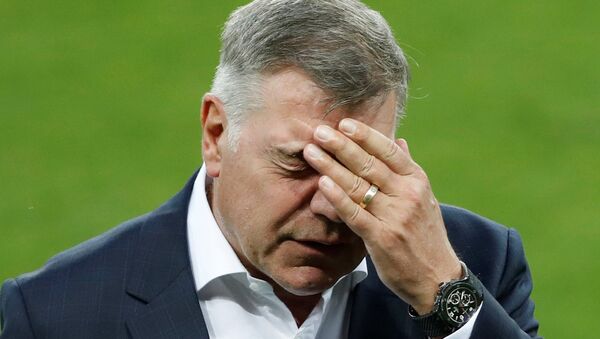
[[417, 203], [410, 217], [424, 191], [341, 145], [420, 189], [329, 164], [361, 134], [354, 215], [356, 185], [391, 151], [418, 195], [424, 183], [326, 166], [411, 194], [421, 174], [367, 166]]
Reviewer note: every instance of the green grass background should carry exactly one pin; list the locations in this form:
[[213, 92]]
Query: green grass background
[[99, 122]]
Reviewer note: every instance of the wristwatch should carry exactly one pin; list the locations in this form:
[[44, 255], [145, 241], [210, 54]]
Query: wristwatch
[[455, 303]]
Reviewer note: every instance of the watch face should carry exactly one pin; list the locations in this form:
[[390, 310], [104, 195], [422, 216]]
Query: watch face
[[459, 303]]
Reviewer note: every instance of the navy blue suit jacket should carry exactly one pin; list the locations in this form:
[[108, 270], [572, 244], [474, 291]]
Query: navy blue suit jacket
[[135, 281]]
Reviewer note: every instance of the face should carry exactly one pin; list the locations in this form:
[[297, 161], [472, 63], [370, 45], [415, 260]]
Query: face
[[265, 196]]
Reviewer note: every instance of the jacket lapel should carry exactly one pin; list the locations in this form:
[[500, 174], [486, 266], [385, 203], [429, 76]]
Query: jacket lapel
[[161, 277], [174, 313]]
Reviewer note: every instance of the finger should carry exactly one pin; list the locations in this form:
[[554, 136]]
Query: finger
[[353, 157], [404, 146], [379, 145], [357, 218], [354, 186]]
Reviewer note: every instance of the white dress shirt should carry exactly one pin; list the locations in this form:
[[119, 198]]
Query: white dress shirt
[[237, 305]]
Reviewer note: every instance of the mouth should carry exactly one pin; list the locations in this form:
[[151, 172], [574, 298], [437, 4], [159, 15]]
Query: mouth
[[324, 242], [322, 247]]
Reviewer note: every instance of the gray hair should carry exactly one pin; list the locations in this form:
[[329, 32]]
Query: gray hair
[[346, 48]]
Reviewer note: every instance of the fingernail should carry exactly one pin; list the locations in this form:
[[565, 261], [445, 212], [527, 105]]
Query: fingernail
[[324, 133], [326, 182], [314, 151], [348, 126]]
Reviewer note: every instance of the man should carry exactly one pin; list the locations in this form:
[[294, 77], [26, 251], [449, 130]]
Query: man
[[307, 219]]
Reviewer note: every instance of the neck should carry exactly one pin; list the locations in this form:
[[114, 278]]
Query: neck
[[300, 306]]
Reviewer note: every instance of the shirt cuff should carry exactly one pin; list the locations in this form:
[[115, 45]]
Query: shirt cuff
[[465, 331]]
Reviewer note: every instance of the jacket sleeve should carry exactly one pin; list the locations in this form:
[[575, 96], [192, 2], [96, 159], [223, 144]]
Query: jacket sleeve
[[510, 313], [14, 319]]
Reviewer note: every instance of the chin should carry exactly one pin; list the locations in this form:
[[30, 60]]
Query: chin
[[305, 292], [305, 281]]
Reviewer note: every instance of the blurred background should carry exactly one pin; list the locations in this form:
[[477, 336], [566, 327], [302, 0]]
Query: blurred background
[[99, 122]]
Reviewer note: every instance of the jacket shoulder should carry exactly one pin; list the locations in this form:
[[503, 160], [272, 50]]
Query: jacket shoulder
[[462, 222], [103, 250], [74, 285], [90, 266], [469, 231], [488, 248]]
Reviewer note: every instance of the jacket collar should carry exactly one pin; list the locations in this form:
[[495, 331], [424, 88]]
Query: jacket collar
[[160, 275], [161, 250]]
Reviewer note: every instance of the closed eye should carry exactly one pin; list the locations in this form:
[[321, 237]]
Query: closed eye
[[291, 161], [297, 166], [295, 163]]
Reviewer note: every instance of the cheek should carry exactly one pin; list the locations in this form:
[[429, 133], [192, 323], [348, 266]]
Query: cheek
[[270, 215], [259, 200], [289, 199], [278, 202]]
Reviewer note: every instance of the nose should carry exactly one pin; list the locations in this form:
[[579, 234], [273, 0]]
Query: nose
[[320, 205]]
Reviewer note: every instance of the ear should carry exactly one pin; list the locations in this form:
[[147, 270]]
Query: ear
[[214, 122]]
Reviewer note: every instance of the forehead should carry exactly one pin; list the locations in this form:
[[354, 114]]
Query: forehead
[[294, 104]]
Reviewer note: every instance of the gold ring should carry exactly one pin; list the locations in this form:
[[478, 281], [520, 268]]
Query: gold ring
[[368, 197]]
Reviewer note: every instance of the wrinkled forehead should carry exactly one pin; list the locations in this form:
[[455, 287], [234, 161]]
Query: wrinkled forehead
[[291, 98]]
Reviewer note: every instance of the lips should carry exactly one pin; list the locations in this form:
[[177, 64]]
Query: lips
[[326, 247], [325, 242], [326, 238]]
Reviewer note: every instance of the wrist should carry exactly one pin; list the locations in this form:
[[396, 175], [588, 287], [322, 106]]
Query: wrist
[[455, 302], [424, 308], [424, 304]]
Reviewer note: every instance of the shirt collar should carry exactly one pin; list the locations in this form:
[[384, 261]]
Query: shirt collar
[[211, 256]]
